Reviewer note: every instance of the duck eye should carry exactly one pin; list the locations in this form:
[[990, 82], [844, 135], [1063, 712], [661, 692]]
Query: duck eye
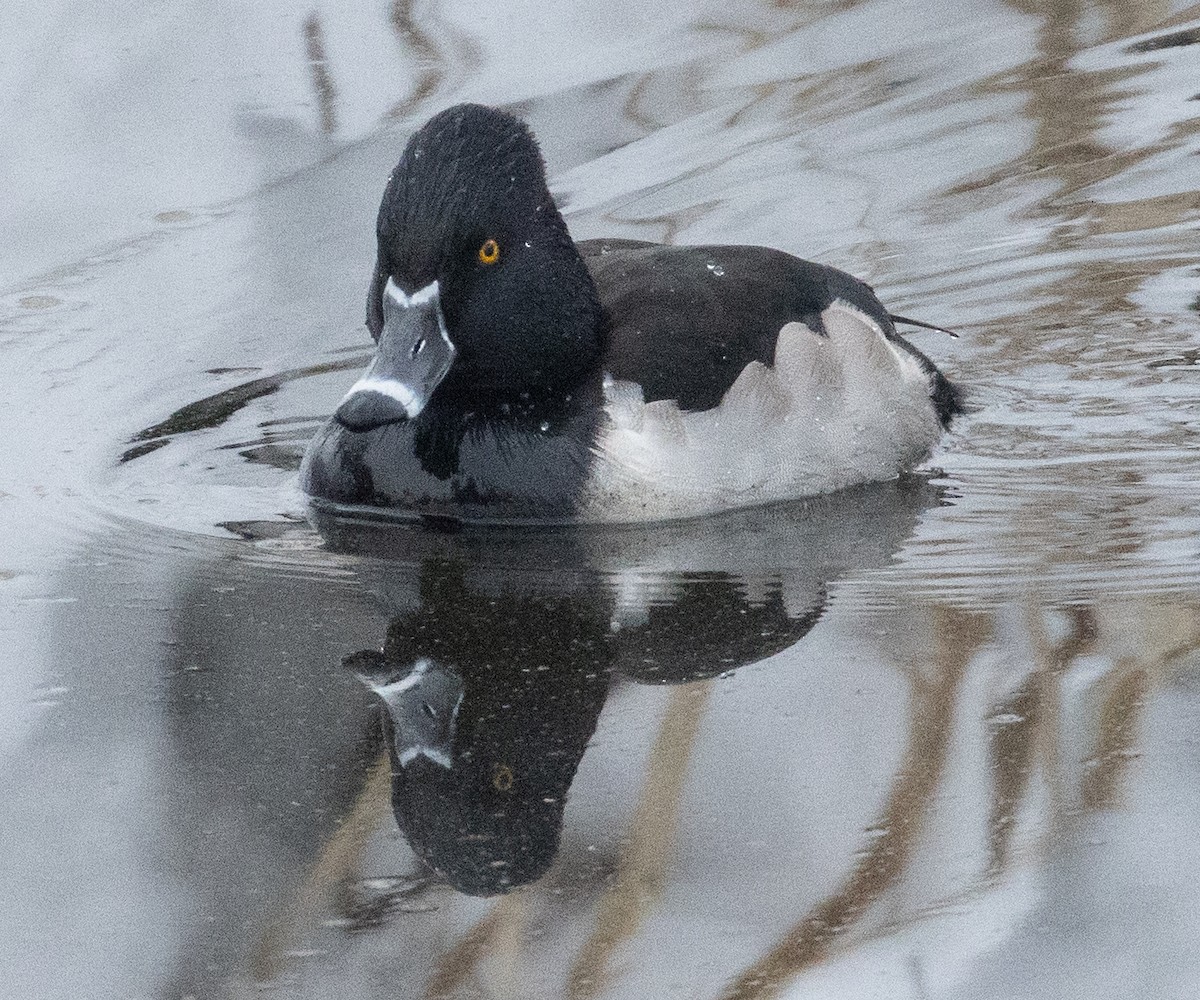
[[489, 253], [502, 778]]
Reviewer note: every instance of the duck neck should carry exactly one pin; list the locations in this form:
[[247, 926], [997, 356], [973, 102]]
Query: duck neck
[[571, 410]]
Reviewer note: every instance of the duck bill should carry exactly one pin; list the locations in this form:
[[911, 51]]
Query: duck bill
[[413, 356], [422, 702]]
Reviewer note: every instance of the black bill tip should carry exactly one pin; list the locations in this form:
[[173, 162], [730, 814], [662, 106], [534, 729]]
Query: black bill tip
[[366, 410]]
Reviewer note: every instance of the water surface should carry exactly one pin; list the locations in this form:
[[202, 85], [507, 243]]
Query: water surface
[[935, 738]]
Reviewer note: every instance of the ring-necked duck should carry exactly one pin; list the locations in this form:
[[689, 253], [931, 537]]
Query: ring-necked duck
[[519, 374]]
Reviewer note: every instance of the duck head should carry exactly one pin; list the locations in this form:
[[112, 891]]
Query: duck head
[[479, 298]]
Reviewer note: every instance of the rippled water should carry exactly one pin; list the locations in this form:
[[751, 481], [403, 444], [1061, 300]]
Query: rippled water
[[933, 738]]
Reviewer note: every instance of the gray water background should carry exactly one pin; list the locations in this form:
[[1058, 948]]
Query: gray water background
[[977, 776]]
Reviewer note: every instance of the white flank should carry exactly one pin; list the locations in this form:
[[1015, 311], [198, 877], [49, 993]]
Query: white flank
[[834, 411], [402, 394]]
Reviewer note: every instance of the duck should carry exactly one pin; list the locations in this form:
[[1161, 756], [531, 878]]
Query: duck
[[519, 375]]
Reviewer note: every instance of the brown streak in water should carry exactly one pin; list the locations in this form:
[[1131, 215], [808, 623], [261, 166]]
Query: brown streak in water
[[1127, 690], [752, 38], [336, 865], [456, 966], [762, 92], [1011, 749], [318, 67], [1147, 214], [404, 24], [1116, 735], [632, 105], [1184, 16], [1133, 17], [958, 634], [641, 874], [430, 61], [1069, 109], [1065, 107], [1052, 662]]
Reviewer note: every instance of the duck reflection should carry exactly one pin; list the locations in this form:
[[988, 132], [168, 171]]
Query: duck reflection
[[490, 701], [504, 644]]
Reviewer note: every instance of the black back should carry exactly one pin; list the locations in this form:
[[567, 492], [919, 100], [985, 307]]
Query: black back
[[683, 321]]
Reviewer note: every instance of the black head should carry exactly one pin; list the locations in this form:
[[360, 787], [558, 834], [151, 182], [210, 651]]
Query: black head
[[468, 207], [492, 688]]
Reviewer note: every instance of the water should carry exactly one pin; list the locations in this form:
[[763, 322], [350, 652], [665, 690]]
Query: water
[[931, 739]]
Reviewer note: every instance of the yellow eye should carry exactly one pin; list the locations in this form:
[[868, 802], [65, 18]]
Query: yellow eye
[[502, 776], [489, 253]]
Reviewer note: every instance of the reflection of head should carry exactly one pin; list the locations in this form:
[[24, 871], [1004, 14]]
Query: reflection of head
[[491, 699], [481, 805]]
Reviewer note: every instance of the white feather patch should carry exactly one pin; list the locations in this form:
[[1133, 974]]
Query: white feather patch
[[390, 387], [833, 411]]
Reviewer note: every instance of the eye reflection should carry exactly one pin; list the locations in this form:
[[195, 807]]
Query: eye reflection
[[502, 778]]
